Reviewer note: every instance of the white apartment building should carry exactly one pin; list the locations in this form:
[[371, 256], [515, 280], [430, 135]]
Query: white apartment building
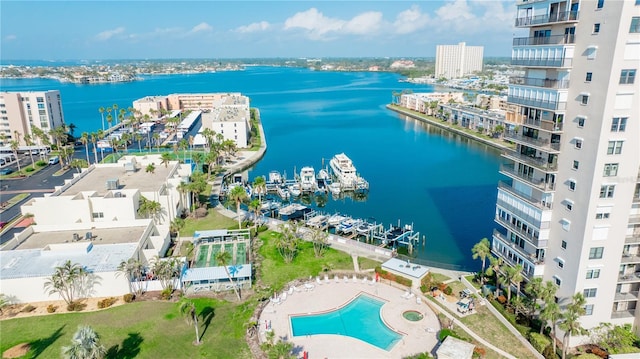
[[111, 192], [456, 61], [21, 111], [421, 101], [569, 212]]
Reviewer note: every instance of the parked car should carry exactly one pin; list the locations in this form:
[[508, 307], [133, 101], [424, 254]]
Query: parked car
[[54, 160], [6, 171]]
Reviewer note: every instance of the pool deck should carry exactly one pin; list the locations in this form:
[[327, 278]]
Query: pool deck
[[418, 337]]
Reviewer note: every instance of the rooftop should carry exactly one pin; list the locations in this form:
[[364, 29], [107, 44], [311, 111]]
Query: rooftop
[[96, 179], [455, 348], [119, 235], [406, 267]]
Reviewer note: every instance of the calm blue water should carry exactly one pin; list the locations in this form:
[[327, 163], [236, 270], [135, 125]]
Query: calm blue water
[[443, 184], [359, 319]]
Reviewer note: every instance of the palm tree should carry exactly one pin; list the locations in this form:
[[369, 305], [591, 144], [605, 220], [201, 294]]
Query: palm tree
[[482, 250], [494, 269], [132, 269], [101, 110], [550, 314], [138, 137], [109, 120], [183, 145], [534, 292], [14, 147], [165, 158], [151, 168], [238, 195], [156, 139], [84, 345], [115, 114], [85, 141], [29, 142], [78, 163], [188, 310], [94, 139], [65, 281], [571, 323], [514, 277], [223, 258], [260, 185]]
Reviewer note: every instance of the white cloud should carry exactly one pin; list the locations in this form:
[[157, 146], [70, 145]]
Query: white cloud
[[10, 37], [107, 34], [254, 27], [410, 20], [201, 27], [319, 26], [455, 11]]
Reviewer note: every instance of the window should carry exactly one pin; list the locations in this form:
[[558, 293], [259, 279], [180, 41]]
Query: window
[[557, 280], [635, 25], [588, 309], [600, 4], [591, 52], [581, 122], [596, 28], [564, 245], [593, 273], [603, 215], [596, 252], [97, 215], [576, 164], [614, 148], [606, 191], [578, 143], [584, 99], [566, 224], [589, 76], [590, 292], [560, 263], [610, 170], [618, 124], [569, 204], [572, 185], [627, 76]]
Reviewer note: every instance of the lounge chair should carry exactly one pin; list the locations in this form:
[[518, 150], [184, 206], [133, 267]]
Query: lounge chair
[[411, 295], [372, 281], [418, 300], [346, 279], [355, 279], [275, 300], [365, 280], [318, 280], [336, 279], [290, 290], [296, 289], [283, 297], [326, 279], [405, 295], [309, 286]]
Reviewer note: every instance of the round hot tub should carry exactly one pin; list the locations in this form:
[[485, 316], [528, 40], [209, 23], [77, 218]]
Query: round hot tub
[[412, 315]]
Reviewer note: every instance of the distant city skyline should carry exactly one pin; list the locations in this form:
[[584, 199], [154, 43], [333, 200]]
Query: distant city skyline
[[56, 30]]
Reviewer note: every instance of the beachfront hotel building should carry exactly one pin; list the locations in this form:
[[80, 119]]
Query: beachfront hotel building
[[22, 111], [569, 211], [456, 61]]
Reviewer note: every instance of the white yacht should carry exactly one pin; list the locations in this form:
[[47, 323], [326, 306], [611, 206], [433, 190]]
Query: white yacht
[[307, 179], [345, 172], [294, 189]]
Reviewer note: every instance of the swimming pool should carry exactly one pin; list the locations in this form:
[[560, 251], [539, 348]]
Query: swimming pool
[[359, 319]]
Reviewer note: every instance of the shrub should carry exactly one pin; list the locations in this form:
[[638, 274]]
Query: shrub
[[262, 228], [128, 298], [502, 299], [52, 308], [29, 169], [107, 302], [539, 341], [447, 290], [598, 351], [41, 163], [76, 307], [444, 333], [28, 309], [166, 293], [549, 352], [479, 352], [441, 286]]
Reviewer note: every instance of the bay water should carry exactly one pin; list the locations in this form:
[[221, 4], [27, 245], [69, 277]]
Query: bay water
[[443, 184]]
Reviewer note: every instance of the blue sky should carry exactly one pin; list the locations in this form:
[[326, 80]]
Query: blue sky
[[56, 30]]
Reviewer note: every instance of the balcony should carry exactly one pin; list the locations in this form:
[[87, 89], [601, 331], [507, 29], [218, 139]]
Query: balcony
[[625, 297], [634, 238], [536, 202], [523, 215], [553, 105], [564, 16], [628, 258], [547, 40], [634, 219], [537, 183], [536, 266], [548, 62], [544, 125], [537, 162], [542, 144], [623, 314], [546, 83], [629, 277], [536, 242]]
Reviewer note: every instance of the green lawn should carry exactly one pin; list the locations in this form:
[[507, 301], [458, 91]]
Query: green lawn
[[437, 277], [213, 220], [366, 263], [140, 330], [276, 273]]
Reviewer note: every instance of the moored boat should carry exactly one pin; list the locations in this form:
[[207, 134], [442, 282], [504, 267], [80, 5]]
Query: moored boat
[[307, 179]]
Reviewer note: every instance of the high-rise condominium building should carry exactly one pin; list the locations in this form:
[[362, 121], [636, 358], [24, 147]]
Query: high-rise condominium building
[[22, 111], [569, 212], [455, 61]]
